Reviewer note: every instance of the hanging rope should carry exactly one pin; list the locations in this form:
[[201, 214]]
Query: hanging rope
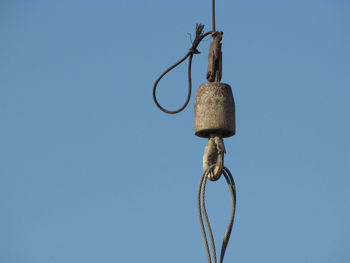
[[202, 211], [213, 14], [193, 50]]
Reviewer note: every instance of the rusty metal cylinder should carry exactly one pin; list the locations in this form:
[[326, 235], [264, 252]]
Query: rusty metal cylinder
[[214, 111]]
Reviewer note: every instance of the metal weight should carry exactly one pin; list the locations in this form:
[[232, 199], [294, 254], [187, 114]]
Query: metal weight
[[214, 111]]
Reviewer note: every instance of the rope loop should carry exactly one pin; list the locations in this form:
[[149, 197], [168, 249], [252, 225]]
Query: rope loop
[[203, 212], [193, 50]]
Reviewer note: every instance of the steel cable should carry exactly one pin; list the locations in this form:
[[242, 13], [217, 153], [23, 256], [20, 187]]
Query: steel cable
[[193, 50], [202, 211]]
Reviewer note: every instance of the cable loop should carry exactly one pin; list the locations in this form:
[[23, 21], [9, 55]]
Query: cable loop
[[202, 211], [193, 50]]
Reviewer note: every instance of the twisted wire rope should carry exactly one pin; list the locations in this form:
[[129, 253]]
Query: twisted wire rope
[[203, 212]]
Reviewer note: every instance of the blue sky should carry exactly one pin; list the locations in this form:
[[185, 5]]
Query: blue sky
[[92, 171]]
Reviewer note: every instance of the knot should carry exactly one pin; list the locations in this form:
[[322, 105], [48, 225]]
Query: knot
[[214, 154], [197, 40]]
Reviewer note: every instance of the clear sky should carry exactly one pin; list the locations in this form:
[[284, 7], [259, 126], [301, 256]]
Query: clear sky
[[92, 171]]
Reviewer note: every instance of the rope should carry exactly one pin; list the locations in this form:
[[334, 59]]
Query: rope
[[232, 187], [193, 50], [213, 14], [202, 211], [199, 206]]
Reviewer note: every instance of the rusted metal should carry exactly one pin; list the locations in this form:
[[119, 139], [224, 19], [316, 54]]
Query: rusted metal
[[214, 111], [214, 71], [214, 154]]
